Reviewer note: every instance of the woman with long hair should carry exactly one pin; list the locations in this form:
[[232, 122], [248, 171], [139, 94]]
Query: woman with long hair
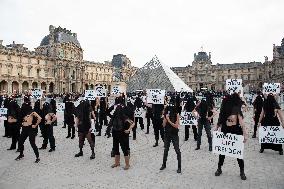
[[171, 124], [83, 123], [14, 119], [231, 120], [269, 117]]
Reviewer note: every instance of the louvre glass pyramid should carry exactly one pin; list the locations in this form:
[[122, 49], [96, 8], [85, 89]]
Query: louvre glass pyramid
[[156, 75]]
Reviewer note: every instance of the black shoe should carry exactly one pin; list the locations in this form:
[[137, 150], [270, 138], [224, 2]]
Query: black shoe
[[210, 148], [179, 170], [79, 154], [68, 136], [218, 172], [9, 136], [243, 176], [253, 136], [108, 136], [51, 150], [156, 144], [99, 134], [163, 167], [11, 148], [73, 136], [5, 136], [147, 132], [186, 139], [64, 127], [18, 150], [134, 138], [197, 148], [281, 152], [93, 156], [37, 160], [261, 150], [19, 157]]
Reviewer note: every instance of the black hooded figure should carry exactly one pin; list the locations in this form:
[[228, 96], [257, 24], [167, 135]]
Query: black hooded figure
[[171, 124], [83, 123], [69, 118], [14, 120], [257, 107]]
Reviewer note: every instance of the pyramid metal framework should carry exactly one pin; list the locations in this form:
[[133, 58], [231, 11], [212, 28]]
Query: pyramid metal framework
[[156, 75]]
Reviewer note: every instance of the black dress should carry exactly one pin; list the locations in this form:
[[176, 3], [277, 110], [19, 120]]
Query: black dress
[[270, 119]]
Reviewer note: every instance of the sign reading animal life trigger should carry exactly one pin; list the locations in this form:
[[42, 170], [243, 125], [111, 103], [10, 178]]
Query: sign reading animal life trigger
[[228, 144], [3, 113], [271, 88], [234, 86], [155, 96], [271, 134], [187, 118]]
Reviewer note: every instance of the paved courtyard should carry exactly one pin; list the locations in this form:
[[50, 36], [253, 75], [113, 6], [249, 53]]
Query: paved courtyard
[[61, 170]]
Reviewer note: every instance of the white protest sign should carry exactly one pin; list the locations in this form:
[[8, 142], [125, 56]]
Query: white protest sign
[[234, 86], [187, 118], [116, 90], [3, 113], [77, 102], [139, 112], [271, 88], [271, 134], [100, 91], [37, 93], [60, 107], [155, 96], [90, 95], [229, 145]]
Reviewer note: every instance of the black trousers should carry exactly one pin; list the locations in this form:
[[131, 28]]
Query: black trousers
[[207, 128], [186, 132], [175, 140], [48, 136], [102, 119], [149, 119], [158, 128], [31, 133], [222, 158], [140, 119], [122, 139], [71, 128], [90, 137], [7, 128], [15, 133], [256, 119]]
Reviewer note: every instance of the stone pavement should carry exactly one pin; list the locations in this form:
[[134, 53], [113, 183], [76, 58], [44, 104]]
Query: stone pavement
[[60, 169]]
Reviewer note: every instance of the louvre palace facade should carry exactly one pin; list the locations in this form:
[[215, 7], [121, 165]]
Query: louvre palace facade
[[203, 74], [57, 66]]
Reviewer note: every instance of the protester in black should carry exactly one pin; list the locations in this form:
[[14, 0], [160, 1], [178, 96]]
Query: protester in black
[[138, 104], [14, 120], [149, 117], [46, 109], [29, 130], [83, 123], [158, 122], [269, 117], [203, 121], [257, 107], [50, 118], [102, 112], [171, 124], [69, 118], [121, 127], [190, 107], [231, 121]]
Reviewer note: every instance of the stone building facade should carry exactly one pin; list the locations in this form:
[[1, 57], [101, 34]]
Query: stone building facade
[[203, 74], [57, 66]]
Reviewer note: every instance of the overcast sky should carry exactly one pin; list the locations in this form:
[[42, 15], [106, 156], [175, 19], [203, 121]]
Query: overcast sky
[[232, 30]]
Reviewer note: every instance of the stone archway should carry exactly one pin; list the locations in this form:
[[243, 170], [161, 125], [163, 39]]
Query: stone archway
[[51, 87], [43, 86], [25, 86], [15, 86], [4, 86], [34, 85]]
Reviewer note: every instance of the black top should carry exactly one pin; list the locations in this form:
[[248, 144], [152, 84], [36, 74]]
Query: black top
[[169, 129], [83, 113], [157, 110], [235, 129]]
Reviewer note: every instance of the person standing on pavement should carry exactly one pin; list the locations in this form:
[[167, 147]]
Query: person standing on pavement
[[158, 122], [190, 107], [171, 124], [257, 108], [14, 117]]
